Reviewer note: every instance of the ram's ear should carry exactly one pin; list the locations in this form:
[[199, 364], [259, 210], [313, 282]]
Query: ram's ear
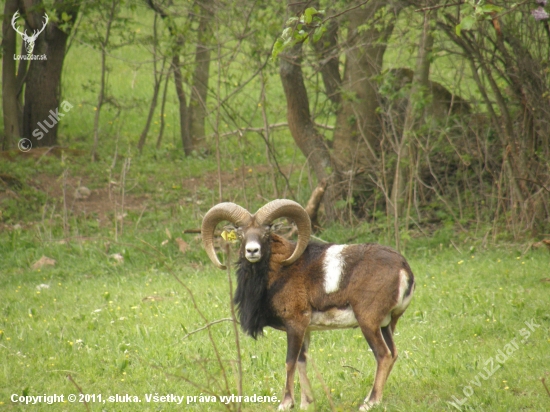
[[274, 227], [239, 231]]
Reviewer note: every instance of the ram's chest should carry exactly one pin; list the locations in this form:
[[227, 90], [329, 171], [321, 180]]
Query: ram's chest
[[335, 318]]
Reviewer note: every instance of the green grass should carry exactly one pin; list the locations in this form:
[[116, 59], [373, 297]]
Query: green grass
[[98, 322], [120, 328]]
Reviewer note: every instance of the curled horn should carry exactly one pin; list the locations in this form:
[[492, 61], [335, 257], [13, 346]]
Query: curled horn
[[292, 210], [231, 212]]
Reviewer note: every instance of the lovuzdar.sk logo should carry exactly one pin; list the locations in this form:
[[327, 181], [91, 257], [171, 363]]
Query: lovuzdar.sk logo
[[29, 40]]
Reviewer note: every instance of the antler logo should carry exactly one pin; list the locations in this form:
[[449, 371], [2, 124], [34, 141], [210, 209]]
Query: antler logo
[[29, 40]]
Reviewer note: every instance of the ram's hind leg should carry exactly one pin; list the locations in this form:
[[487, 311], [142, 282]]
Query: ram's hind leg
[[384, 362], [387, 333], [305, 385]]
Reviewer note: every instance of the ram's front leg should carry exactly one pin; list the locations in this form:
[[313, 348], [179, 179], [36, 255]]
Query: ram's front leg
[[295, 338], [305, 385]]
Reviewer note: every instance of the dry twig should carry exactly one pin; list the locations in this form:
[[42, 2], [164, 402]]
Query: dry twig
[[70, 378]]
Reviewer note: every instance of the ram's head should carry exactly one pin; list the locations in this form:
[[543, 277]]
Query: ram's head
[[254, 230]]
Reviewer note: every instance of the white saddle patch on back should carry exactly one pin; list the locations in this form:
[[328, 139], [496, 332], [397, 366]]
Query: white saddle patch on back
[[333, 265], [332, 319]]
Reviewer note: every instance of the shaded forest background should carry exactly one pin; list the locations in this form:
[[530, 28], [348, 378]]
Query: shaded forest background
[[418, 114]]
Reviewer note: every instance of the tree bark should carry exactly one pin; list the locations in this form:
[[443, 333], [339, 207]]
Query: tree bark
[[329, 62], [10, 102], [157, 80], [178, 79], [199, 92], [503, 123], [300, 123], [405, 148], [357, 133], [162, 109], [104, 42], [42, 87], [150, 114], [312, 207], [417, 95], [183, 111]]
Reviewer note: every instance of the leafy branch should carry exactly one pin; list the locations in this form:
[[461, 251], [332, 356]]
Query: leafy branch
[[475, 12], [309, 24], [300, 29]]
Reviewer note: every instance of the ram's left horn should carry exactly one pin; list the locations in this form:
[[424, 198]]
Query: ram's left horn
[[231, 212]]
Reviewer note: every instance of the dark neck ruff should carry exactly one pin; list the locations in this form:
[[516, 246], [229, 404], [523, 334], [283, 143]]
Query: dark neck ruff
[[251, 296]]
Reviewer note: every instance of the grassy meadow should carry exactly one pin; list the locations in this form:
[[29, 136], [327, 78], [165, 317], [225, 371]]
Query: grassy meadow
[[112, 315], [121, 327], [120, 311]]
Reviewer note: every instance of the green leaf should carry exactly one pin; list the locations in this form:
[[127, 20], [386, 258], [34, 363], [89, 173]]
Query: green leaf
[[317, 34], [458, 29], [123, 364], [277, 48], [291, 41], [489, 8], [467, 22], [308, 15], [287, 33], [291, 21]]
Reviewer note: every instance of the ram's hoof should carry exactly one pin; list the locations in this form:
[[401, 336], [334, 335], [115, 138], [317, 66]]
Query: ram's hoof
[[367, 406], [286, 405]]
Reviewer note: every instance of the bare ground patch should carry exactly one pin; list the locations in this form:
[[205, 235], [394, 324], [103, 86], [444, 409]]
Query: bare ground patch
[[99, 203]]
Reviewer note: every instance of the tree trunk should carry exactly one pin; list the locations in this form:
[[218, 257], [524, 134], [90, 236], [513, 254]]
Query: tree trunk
[[357, 133], [150, 114], [162, 109], [157, 80], [503, 122], [405, 149], [178, 80], [102, 83], [199, 92], [184, 112], [300, 124], [329, 62], [42, 90], [10, 102], [418, 93]]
